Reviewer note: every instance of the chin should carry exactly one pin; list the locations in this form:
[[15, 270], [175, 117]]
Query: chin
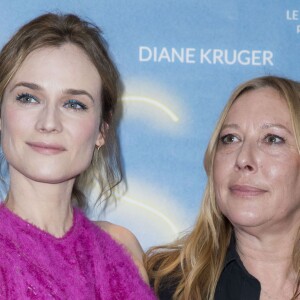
[[50, 176], [246, 220], [50, 180]]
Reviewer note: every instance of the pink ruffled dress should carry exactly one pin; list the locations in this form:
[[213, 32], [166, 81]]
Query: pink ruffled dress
[[86, 263]]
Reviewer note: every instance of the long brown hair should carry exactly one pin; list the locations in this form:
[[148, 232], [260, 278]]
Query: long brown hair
[[193, 264], [54, 30]]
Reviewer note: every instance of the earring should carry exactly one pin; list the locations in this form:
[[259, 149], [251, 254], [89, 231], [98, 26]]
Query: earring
[[98, 147]]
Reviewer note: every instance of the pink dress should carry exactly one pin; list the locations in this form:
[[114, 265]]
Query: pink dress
[[84, 264]]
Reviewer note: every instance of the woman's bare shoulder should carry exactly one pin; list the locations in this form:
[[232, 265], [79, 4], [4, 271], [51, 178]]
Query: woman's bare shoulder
[[126, 238]]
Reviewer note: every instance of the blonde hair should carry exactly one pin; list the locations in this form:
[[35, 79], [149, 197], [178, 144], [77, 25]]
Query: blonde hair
[[54, 30], [193, 264]]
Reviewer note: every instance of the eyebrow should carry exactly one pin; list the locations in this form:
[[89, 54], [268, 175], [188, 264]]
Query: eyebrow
[[30, 85], [264, 126], [36, 87], [75, 92], [276, 125], [235, 126]]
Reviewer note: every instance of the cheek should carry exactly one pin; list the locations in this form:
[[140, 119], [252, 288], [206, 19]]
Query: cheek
[[219, 175], [13, 131], [12, 124], [222, 168], [85, 133], [275, 173], [282, 172]]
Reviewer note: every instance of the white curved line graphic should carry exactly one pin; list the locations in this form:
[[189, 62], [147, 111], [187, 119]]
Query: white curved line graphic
[[152, 210], [153, 102]]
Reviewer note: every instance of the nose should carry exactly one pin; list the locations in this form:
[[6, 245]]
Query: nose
[[48, 120], [247, 157]]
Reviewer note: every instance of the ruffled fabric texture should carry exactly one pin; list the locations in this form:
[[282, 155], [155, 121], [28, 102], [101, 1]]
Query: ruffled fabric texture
[[86, 263]]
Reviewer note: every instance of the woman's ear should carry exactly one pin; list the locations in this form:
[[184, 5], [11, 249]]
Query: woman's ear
[[100, 141]]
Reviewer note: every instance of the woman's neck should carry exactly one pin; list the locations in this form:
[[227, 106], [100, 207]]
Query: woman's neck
[[47, 206], [269, 259]]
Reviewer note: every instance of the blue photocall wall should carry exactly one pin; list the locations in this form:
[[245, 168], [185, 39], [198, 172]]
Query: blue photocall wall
[[179, 61]]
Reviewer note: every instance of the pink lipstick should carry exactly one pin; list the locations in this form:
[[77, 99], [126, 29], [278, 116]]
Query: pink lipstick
[[246, 190], [45, 148]]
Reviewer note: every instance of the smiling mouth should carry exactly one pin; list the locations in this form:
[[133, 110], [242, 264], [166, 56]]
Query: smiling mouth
[[246, 190], [48, 149]]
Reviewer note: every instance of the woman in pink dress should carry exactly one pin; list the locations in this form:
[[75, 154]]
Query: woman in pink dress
[[59, 89]]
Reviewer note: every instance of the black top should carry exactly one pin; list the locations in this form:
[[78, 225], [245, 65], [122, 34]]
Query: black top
[[235, 282]]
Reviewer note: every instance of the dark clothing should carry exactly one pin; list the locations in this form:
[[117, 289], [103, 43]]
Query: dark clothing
[[235, 283]]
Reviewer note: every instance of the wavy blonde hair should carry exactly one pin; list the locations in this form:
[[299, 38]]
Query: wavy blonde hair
[[193, 264], [54, 30]]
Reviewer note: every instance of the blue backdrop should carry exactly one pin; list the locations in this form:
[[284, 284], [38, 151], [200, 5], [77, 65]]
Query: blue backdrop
[[179, 61]]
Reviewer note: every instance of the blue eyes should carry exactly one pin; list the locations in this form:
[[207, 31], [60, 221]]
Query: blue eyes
[[271, 139], [26, 98], [73, 104]]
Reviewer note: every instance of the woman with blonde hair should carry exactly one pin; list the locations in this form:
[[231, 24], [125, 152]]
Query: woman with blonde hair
[[58, 92], [245, 243]]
